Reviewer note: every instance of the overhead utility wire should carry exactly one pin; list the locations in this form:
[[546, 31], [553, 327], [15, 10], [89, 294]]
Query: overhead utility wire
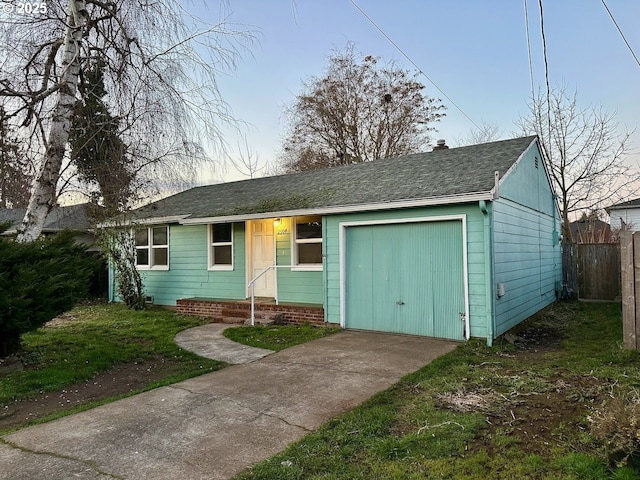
[[412, 62], [546, 69], [526, 21], [621, 34]]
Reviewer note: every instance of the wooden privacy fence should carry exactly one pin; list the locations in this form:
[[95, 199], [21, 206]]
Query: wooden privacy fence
[[630, 266], [591, 271]]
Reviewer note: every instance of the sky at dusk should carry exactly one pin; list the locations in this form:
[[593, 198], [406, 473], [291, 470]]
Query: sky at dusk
[[474, 51]]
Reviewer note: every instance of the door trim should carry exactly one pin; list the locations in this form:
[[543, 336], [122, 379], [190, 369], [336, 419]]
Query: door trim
[[249, 254], [342, 232]]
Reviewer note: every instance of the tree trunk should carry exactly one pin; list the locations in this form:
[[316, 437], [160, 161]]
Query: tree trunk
[[43, 196]]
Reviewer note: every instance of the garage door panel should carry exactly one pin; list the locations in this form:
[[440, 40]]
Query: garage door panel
[[415, 283], [357, 274], [449, 284]]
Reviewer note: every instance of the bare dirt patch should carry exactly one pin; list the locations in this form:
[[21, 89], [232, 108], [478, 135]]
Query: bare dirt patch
[[119, 380], [535, 417], [536, 339]]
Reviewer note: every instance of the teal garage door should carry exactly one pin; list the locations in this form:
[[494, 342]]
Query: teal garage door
[[405, 278]]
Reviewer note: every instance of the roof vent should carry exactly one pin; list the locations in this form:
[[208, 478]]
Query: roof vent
[[441, 145]]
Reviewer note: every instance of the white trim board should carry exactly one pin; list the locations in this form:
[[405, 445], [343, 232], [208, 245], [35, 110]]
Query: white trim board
[[334, 210]]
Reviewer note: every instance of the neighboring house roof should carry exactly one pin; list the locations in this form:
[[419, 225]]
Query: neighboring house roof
[[587, 225], [630, 203], [441, 176], [72, 217], [590, 231]]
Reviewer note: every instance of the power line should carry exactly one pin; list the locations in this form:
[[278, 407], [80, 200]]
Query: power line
[[412, 62], [620, 31], [546, 68], [526, 21]]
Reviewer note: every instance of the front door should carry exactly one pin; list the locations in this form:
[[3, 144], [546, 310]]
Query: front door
[[262, 256]]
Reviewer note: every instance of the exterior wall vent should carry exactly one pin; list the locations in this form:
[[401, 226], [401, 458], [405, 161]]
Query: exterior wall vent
[[148, 299]]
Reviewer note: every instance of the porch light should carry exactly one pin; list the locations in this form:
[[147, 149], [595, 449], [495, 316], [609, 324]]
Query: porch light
[[276, 222]]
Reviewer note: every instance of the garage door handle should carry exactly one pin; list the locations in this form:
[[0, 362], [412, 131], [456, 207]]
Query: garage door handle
[[399, 302]]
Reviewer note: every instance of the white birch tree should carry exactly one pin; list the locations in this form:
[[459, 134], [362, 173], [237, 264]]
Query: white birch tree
[[161, 65]]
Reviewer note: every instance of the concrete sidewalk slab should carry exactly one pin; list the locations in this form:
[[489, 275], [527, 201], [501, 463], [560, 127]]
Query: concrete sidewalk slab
[[209, 342], [215, 425]]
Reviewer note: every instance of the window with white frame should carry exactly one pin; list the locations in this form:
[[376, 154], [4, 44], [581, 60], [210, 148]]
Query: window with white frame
[[307, 242], [152, 247], [221, 246]]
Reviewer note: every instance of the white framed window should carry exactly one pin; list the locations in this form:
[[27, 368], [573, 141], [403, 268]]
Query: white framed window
[[221, 246], [307, 242], [152, 248]]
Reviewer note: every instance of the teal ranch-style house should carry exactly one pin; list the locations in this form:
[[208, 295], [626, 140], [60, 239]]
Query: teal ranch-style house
[[453, 243]]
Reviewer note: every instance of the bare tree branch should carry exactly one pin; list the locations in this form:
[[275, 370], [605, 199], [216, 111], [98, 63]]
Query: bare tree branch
[[584, 151], [358, 112], [161, 66]]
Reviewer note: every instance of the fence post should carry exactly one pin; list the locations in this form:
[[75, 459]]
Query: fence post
[[636, 289], [628, 273]]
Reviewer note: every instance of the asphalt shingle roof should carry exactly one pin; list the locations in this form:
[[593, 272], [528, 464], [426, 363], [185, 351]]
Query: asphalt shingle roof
[[71, 217], [440, 173]]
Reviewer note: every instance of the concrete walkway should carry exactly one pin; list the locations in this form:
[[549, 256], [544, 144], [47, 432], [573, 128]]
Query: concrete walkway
[[209, 342], [215, 425]]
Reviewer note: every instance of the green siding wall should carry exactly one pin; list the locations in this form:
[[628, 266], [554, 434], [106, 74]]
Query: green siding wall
[[188, 275], [475, 247], [528, 185], [295, 286], [527, 254]]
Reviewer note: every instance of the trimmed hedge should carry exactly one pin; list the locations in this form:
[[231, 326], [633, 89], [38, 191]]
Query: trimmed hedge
[[39, 281]]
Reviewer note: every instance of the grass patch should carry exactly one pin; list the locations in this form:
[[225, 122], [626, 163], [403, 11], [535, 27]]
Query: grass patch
[[277, 337], [513, 411], [90, 340]]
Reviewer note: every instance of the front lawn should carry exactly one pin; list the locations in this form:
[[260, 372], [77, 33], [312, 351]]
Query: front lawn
[[91, 354], [94, 354], [277, 337], [528, 408]]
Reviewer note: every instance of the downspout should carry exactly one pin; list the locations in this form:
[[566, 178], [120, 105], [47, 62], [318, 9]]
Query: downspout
[[325, 273], [112, 282], [111, 275], [557, 242], [488, 270]]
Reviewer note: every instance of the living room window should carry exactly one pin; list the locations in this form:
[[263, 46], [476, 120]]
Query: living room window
[[152, 247], [307, 242], [221, 246]]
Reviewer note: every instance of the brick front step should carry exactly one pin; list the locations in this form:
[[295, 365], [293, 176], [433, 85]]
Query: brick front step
[[230, 320], [238, 312]]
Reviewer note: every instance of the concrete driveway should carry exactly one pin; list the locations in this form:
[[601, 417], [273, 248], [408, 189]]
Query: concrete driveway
[[215, 425]]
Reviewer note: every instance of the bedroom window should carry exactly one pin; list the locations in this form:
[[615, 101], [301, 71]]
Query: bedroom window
[[221, 246], [307, 248], [152, 248]]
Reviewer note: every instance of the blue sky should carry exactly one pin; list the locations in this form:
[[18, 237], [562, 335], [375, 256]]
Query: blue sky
[[475, 51]]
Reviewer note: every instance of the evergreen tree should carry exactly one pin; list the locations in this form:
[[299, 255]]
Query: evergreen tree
[[39, 281], [97, 151]]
